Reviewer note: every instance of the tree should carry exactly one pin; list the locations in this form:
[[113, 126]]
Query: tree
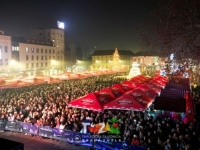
[[116, 60], [174, 27]]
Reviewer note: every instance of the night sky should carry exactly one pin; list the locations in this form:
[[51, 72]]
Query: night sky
[[106, 24]]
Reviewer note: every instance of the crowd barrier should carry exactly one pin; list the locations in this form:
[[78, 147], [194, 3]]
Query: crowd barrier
[[69, 136]]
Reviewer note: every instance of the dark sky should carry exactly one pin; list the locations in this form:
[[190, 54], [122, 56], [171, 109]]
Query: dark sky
[[105, 24]]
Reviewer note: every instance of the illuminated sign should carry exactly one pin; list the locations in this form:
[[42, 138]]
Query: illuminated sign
[[61, 25]]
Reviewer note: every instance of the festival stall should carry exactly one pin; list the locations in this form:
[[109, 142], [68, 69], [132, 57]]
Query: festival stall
[[139, 93], [149, 91], [117, 90], [175, 103], [89, 102], [129, 85], [126, 102], [153, 87], [143, 78], [105, 96], [137, 80]]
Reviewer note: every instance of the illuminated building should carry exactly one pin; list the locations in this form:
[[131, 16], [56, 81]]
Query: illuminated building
[[103, 59], [148, 62], [57, 37], [5, 52], [33, 55]]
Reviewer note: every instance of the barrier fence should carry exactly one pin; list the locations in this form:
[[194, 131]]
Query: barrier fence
[[82, 139]]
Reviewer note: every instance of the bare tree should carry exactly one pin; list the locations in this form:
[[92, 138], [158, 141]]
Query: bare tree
[[175, 28]]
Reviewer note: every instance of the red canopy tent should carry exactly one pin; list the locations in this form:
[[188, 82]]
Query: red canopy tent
[[105, 96], [138, 80], [158, 83], [139, 93], [161, 78], [154, 87], [61, 77], [117, 90], [89, 102], [129, 85], [125, 102], [143, 78], [150, 92]]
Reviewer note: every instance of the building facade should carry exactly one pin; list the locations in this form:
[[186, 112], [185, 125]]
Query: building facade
[[103, 59], [32, 55], [5, 52], [148, 62], [57, 37]]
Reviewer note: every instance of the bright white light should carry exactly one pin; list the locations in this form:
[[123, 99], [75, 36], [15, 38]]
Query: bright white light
[[171, 56], [61, 25]]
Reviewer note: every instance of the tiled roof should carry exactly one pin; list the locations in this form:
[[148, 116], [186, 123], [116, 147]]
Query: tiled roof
[[142, 53], [173, 93], [179, 80], [177, 86], [111, 52], [170, 104]]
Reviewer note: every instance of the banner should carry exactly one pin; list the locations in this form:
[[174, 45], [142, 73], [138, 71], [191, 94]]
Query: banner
[[77, 138], [111, 146], [46, 131], [29, 128], [2, 124], [14, 126], [57, 134], [115, 146], [98, 141]]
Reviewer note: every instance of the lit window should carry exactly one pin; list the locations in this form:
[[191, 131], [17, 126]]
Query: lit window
[[13, 48], [32, 50], [27, 49]]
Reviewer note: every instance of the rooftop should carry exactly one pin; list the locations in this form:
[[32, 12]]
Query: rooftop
[[111, 52], [30, 40]]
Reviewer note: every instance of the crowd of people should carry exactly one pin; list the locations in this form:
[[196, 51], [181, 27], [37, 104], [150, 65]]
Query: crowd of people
[[47, 105]]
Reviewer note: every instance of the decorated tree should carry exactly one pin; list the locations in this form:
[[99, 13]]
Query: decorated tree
[[116, 60]]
